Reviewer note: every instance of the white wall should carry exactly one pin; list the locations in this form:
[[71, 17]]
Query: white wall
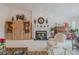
[[14, 11], [3, 17]]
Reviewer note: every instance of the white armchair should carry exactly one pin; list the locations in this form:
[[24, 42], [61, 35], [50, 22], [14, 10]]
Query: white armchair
[[58, 42]]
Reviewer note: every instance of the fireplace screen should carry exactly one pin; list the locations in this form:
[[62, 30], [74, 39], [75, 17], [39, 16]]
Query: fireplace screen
[[41, 35]]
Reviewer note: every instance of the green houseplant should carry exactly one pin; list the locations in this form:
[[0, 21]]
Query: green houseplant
[[52, 31]]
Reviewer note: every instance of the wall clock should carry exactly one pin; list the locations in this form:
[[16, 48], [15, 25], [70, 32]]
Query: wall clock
[[40, 20]]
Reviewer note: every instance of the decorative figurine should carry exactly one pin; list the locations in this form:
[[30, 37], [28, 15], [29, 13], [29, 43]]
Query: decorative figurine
[[46, 21], [34, 21], [12, 18]]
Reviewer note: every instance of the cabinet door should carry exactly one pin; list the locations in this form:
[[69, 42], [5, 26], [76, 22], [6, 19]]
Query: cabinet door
[[9, 30], [8, 27], [27, 30], [17, 26], [26, 26], [17, 30], [30, 28]]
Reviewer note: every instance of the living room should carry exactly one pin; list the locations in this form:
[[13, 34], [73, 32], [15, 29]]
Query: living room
[[39, 29]]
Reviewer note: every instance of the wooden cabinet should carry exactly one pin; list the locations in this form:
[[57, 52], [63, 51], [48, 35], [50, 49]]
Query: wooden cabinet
[[18, 30]]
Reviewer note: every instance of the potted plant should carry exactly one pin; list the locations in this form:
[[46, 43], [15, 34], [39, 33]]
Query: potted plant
[[52, 31]]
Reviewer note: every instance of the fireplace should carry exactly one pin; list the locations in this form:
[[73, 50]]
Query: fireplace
[[41, 35]]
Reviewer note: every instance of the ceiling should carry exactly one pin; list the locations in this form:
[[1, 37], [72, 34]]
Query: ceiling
[[45, 6]]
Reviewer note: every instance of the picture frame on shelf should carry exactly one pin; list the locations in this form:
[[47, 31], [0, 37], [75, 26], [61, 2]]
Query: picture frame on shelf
[[20, 17]]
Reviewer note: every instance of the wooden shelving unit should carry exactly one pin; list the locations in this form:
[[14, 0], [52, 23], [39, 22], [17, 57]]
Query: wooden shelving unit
[[18, 30]]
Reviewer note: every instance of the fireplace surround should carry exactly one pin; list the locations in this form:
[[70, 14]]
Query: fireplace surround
[[41, 35]]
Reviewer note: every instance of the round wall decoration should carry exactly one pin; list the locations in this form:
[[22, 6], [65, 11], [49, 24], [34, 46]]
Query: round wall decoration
[[40, 20]]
